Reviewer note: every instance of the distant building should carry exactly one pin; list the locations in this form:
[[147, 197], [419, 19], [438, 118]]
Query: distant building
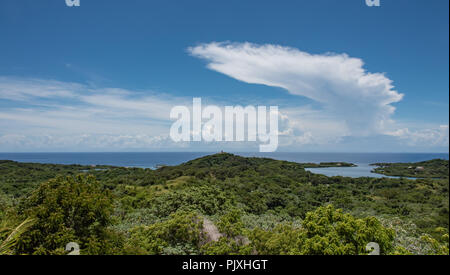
[[420, 168]]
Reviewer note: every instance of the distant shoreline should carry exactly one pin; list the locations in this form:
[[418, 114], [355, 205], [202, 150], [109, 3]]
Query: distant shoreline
[[153, 160]]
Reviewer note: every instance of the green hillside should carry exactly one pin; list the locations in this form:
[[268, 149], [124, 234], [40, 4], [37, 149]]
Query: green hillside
[[219, 204]]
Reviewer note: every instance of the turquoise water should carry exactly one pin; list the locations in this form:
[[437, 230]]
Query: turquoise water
[[153, 159], [363, 170]]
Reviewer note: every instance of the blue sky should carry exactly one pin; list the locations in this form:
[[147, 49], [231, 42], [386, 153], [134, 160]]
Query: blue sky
[[103, 76]]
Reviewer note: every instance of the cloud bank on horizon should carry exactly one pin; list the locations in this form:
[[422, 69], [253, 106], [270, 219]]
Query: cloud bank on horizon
[[50, 115]]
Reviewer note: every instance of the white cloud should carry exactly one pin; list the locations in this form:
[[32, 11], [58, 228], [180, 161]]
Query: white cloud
[[354, 98], [86, 142], [438, 136], [309, 126], [55, 107], [26, 89]]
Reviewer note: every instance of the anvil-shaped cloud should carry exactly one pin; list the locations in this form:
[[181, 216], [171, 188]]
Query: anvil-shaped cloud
[[352, 96]]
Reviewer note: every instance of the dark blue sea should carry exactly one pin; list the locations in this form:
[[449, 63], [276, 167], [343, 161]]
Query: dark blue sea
[[151, 160]]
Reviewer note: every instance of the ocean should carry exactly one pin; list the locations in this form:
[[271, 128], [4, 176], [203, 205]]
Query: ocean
[[153, 159]]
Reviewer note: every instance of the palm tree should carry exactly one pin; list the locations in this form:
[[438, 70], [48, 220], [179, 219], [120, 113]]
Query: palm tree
[[6, 247]]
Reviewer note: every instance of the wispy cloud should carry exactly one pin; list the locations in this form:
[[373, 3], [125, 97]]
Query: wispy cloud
[[49, 114], [19, 89]]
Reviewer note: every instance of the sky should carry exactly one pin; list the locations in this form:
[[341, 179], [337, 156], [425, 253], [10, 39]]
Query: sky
[[104, 76]]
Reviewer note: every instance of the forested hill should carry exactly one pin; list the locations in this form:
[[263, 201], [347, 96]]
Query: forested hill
[[436, 168], [225, 165], [258, 206]]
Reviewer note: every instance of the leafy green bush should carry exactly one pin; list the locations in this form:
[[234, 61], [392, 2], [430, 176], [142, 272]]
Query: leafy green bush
[[181, 233], [71, 209]]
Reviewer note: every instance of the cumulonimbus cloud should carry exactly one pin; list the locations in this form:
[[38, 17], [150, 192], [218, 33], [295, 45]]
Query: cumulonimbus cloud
[[359, 99]]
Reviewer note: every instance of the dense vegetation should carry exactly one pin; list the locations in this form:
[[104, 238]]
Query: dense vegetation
[[436, 168], [18, 179], [219, 204]]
